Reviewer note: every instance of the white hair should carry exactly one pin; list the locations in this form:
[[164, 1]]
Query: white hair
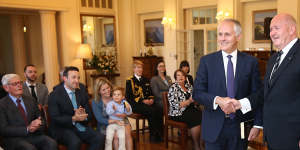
[[7, 77], [236, 26]]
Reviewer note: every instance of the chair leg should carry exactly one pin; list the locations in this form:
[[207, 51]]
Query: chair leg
[[137, 130], [143, 130], [183, 138], [166, 135]]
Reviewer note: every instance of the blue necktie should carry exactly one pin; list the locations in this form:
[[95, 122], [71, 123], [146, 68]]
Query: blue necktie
[[230, 82], [80, 127]]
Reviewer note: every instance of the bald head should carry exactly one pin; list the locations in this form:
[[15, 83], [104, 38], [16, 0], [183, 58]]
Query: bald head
[[283, 30]]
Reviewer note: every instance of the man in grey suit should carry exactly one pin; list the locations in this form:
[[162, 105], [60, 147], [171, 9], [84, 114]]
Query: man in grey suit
[[20, 122], [32, 88]]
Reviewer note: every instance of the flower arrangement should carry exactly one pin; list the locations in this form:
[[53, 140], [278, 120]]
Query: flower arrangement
[[105, 64]]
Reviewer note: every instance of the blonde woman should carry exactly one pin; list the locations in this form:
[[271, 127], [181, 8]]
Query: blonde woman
[[103, 95]]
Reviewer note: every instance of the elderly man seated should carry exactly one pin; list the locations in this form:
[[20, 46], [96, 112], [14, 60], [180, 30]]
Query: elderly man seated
[[20, 122]]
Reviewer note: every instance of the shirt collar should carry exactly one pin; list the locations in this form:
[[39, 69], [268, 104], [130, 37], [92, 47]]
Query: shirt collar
[[138, 77], [68, 90], [14, 99], [28, 84], [287, 48], [233, 54]]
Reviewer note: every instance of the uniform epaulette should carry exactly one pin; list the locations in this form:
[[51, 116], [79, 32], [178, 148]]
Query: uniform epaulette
[[129, 78]]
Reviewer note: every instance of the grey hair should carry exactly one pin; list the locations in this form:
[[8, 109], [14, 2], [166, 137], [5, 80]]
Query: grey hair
[[7, 77], [236, 26]]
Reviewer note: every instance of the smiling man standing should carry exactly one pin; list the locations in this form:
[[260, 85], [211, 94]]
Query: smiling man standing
[[223, 74]]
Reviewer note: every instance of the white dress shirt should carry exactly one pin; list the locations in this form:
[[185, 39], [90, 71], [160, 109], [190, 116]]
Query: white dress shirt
[[225, 62], [28, 86]]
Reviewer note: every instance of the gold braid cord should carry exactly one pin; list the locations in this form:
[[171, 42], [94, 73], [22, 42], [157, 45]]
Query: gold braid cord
[[137, 93]]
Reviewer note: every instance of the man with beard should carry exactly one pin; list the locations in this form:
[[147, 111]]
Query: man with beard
[[32, 88], [70, 114]]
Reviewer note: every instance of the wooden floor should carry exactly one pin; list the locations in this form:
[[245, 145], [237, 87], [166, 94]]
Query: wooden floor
[[144, 144]]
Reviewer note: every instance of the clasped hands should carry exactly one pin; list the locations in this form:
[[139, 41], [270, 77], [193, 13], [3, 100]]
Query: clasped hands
[[34, 125], [228, 105], [80, 114]]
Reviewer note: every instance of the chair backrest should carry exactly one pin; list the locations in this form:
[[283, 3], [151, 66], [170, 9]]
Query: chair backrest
[[165, 105], [47, 117]]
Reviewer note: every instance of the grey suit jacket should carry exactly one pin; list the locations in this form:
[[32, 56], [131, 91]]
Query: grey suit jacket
[[12, 125], [41, 93], [158, 86]]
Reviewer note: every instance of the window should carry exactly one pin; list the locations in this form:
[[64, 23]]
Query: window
[[204, 16]]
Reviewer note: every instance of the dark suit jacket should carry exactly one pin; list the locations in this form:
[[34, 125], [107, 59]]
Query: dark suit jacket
[[61, 110], [12, 124], [210, 82], [41, 92], [281, 101]]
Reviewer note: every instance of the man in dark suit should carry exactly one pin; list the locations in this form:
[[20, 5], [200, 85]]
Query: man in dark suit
[[20, 122], [69, 113], [226, 73], [32, 88], [139, 95], [280, 95]]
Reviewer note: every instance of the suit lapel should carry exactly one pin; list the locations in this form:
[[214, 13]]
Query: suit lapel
[[220, 69], [25, 89], [287, 59], [38, 91], [28, 109], [239, 67], [12, 106], [66, 95]]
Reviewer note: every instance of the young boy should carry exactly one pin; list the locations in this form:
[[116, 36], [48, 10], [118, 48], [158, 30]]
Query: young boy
[[115, 109]]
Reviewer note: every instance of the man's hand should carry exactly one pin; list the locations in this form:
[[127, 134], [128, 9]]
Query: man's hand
[[80, 114], [236, 103], [254, 132], [34, 125], [226, 105]]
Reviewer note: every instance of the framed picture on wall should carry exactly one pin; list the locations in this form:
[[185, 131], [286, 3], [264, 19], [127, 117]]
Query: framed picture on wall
[[261, 25], [109, 34], [154, 32]]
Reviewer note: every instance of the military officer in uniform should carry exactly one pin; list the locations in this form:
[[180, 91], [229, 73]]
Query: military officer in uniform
[[139, 95]]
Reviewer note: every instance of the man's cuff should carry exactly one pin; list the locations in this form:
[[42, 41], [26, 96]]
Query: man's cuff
[[245, 104], [259, 127], [215, 105]]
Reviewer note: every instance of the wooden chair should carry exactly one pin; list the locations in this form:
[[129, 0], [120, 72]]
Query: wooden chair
[[137, 118], [174, 124], [60, 146]]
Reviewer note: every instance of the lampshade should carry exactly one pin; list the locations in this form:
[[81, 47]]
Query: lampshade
[[84, 51]]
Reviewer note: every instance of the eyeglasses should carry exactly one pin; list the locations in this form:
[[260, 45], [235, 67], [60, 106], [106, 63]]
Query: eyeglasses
[[16, 83]]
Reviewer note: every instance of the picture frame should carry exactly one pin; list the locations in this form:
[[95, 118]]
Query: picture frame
[[154, 32], [260, 19], [109, 34]]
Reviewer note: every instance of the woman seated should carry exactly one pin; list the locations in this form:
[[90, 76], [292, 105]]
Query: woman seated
[[103, 95], [160, 83], [185, 67], [181, 107]]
